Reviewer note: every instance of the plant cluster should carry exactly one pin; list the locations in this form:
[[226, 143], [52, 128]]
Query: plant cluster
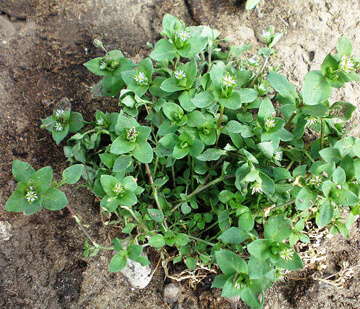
[[214, 159]]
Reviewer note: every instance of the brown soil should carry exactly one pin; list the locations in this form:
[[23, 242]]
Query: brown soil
[[43, 44]]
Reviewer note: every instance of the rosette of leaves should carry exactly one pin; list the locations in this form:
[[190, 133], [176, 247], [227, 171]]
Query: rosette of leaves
[[132, 138], [34, 190], [111, 67], [63, 121]]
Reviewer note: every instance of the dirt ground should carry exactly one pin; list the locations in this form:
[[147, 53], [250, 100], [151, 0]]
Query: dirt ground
[[43, 44]]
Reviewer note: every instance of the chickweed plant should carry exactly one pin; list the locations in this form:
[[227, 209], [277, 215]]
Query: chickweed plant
[[214, 160]]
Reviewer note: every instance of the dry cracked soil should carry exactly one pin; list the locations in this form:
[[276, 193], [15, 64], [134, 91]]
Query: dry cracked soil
[[43, 45]]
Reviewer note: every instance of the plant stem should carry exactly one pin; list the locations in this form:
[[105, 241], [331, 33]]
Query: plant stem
[[290, 120], [259, 73], [201, 240], [218, 131], [290, 165], [156, 165], [78, 221], [283, 205], [208, 228], [311, 159], [155, 194], [173, 176], [135, 218], [322, 133], [202, 188]]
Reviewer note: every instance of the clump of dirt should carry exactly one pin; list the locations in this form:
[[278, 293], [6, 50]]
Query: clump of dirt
[[43, 45]]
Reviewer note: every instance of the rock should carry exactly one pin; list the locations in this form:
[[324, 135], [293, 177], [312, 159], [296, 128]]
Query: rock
[[137, 275], [5, 228], [171, 293]]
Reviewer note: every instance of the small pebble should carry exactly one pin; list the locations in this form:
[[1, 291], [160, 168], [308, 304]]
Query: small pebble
[[171, 293]]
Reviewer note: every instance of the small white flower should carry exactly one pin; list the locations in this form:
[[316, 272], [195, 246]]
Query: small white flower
[[270, 123], [311, 120], [262, 87], [59, 113], [287, 254], [278, 156], [184, 35], [355, 182], [257, 188], [316, 181], [100, 121], [266, 35], [252, 61], [131, 134], [280, 274], [140, 78], [58, 127], [239, 286], [118, 189], [325, 175], [179, 74], [228, 80], [346, 64], [31, 195]]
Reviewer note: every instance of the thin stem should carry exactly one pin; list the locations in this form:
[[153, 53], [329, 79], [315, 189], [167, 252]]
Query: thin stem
[[202, 188], [259, 73], [208, 228], [283, 205], [135, 218], [218, 131], [311, 159], [201, 240], [290, 120], [173, 176], [156, 165], [322, 133], [78, 221], [155, 194], [290, 165]]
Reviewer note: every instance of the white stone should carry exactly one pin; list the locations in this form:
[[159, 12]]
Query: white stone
[[138, 276], [5, 228]]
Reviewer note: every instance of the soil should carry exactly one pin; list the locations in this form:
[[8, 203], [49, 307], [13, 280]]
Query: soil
[[43, 44]]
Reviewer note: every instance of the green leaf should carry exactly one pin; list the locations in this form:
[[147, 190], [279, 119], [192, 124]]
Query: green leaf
[[219, 281], [234, 236], [120, 146], [247, 95], [134, 251], [196, 119], [54, 199], [318, 110], [117, 263], [330, 155], [230, 263], [179, 153], [163, 50], [344, 46], [305, 198], [16, 202], [171, 110], [329, 65], [41, 179], [278, 228], [267, 149], [127, 199], [315, 89], [156, 215], [22, 170], [232, 102], [122, 163], [143, 152], [171, 85], [342, 110], [211, 154], [196, 148], [190, 263], [185, 208], [157, 241], [246, 221], [182, 239], [203, 99], [266, 110], [339, 176], [326, 215], [250, 295], [282, 86], [260, 248], [72, 174], [258, 269], [294, 264], [76, 122]]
